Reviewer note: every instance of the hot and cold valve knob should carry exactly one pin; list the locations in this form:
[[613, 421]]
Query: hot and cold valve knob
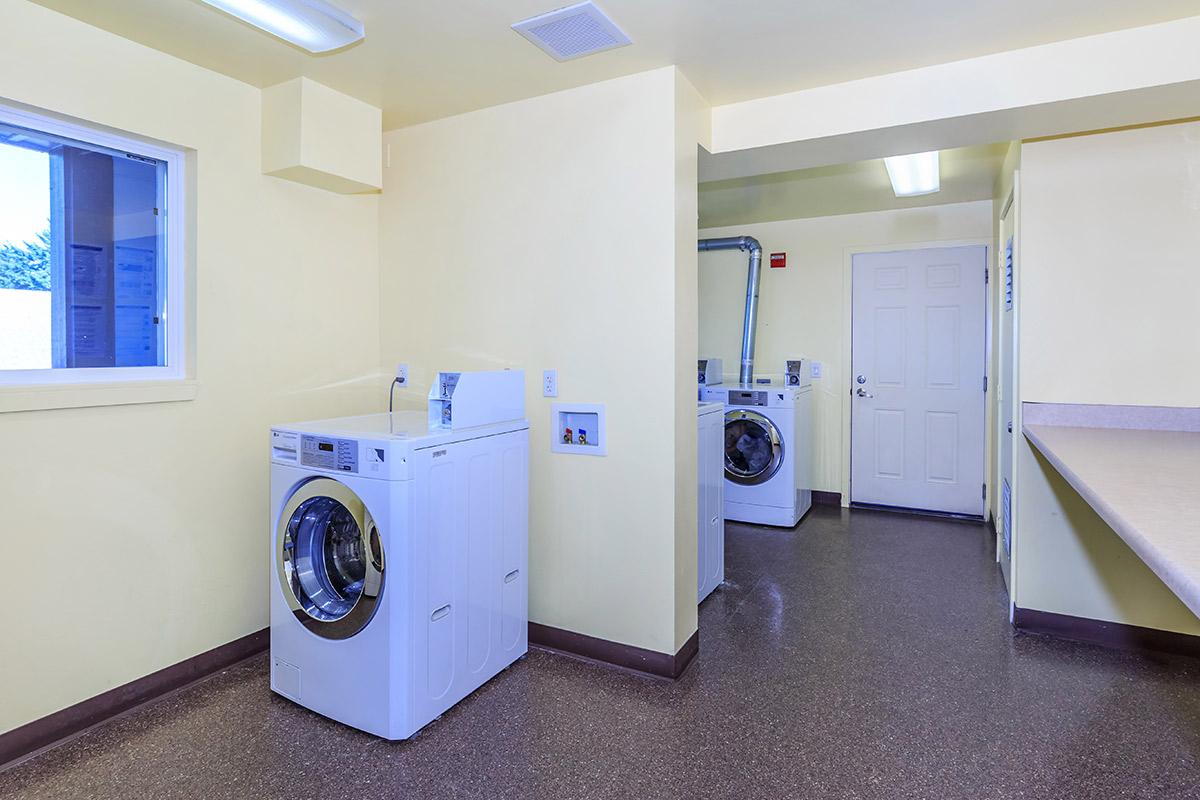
[[568, 436], [582, 436]]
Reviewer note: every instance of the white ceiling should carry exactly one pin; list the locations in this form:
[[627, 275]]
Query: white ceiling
[[424, 60], [968, 173]]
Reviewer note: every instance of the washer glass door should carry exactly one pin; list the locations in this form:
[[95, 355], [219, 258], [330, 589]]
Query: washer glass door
[[753, 447], [330, 559]]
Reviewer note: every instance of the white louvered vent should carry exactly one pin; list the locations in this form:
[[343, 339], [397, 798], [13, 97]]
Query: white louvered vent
[[572, 32]]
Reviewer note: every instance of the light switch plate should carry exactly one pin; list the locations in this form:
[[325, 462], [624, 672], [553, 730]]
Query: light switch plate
[[550, 383], [816, 369]]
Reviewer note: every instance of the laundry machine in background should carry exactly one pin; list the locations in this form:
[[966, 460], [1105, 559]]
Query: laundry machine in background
[[710, 544], [399, 549], [767, 450], [709, 372]]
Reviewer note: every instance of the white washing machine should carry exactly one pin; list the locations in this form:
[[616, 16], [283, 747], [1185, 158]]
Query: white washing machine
[[768, 451], [399, 555]]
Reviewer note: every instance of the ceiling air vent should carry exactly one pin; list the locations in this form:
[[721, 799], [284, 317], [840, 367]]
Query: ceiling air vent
[[574, 31]]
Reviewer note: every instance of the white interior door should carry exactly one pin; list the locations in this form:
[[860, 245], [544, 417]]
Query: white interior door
[[917, 391]]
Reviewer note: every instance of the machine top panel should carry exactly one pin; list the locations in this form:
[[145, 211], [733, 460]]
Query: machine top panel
[[409, 426]]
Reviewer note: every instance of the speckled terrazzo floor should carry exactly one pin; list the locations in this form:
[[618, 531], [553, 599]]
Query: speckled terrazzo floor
[[865, 655]]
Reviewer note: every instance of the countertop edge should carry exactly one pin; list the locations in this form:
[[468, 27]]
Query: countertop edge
[[1187, 591]]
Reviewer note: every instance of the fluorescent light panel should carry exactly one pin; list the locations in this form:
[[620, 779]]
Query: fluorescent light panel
[[915, 174], [312, 24]]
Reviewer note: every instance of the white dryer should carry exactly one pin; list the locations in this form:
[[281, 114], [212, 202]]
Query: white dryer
[[768, 451], [710, 497], [399, 556]]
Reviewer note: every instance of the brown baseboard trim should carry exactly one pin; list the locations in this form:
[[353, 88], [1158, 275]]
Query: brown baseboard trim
[[1115, 635], [61, 725], [827, 498], [626, 656]]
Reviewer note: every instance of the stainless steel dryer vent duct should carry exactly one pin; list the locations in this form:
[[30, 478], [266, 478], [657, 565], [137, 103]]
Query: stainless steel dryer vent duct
[[753, 277]]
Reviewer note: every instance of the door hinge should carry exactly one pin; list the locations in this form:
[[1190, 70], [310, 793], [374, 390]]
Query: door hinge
[[983, 494], [987, 276], [985, 383]]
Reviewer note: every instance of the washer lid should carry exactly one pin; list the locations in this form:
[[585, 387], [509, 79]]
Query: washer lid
[[330, 559], [753, 447]]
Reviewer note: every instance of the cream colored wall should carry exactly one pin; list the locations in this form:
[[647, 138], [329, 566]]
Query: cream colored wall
[[1108, 293], [1110, 233], [142, 528], [805, 308], [547, 234], [693, 127]]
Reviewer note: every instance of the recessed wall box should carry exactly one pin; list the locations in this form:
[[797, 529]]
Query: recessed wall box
[[579, 428], [467, 399], [709, 370], [797, 373]]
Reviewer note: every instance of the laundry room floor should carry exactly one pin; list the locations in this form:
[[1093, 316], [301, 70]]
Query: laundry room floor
[[865, 655]]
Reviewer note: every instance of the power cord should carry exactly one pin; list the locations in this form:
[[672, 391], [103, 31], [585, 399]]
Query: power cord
[[392, 392]]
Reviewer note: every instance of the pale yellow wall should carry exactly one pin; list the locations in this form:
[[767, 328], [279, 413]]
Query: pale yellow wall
[[142, 529], [546, 234], [804, 310], [693, 120], [1110, 236], [1108, 294]]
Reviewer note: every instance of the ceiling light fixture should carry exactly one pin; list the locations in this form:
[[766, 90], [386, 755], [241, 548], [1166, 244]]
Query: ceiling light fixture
[[915, 174], [312, 24]]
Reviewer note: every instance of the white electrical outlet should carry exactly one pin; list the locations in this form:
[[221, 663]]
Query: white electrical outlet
[[816, 369], [550, 383], [402, 374]]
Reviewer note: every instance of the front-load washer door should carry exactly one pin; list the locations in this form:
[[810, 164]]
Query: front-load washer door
[[753, 447], [330, 559]]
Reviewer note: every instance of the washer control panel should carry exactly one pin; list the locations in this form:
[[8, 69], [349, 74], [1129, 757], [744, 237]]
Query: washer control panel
[[738, 397], [334, 454]]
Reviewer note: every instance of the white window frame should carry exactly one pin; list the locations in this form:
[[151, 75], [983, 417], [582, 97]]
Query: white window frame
[[174, 311]]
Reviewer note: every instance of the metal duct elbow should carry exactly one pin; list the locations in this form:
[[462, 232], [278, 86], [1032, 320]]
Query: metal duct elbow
[[753, 279]]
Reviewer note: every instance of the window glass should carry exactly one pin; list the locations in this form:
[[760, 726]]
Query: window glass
[[82, 254]]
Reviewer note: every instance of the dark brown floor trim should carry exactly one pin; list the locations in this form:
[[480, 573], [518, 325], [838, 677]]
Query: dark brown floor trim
[[626, 656], [1106, 634], [60, 725], [827, 498]]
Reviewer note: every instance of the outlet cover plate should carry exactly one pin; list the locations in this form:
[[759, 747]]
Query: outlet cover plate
[[402, 374], [550, 383]]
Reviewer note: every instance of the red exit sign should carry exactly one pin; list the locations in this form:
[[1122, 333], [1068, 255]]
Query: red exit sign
[[778, 260]]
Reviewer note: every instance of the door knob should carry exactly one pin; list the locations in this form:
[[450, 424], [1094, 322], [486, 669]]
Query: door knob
[[861, 392]]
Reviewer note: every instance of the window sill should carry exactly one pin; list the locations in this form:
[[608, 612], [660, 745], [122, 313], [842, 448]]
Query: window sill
[[86, 395]]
